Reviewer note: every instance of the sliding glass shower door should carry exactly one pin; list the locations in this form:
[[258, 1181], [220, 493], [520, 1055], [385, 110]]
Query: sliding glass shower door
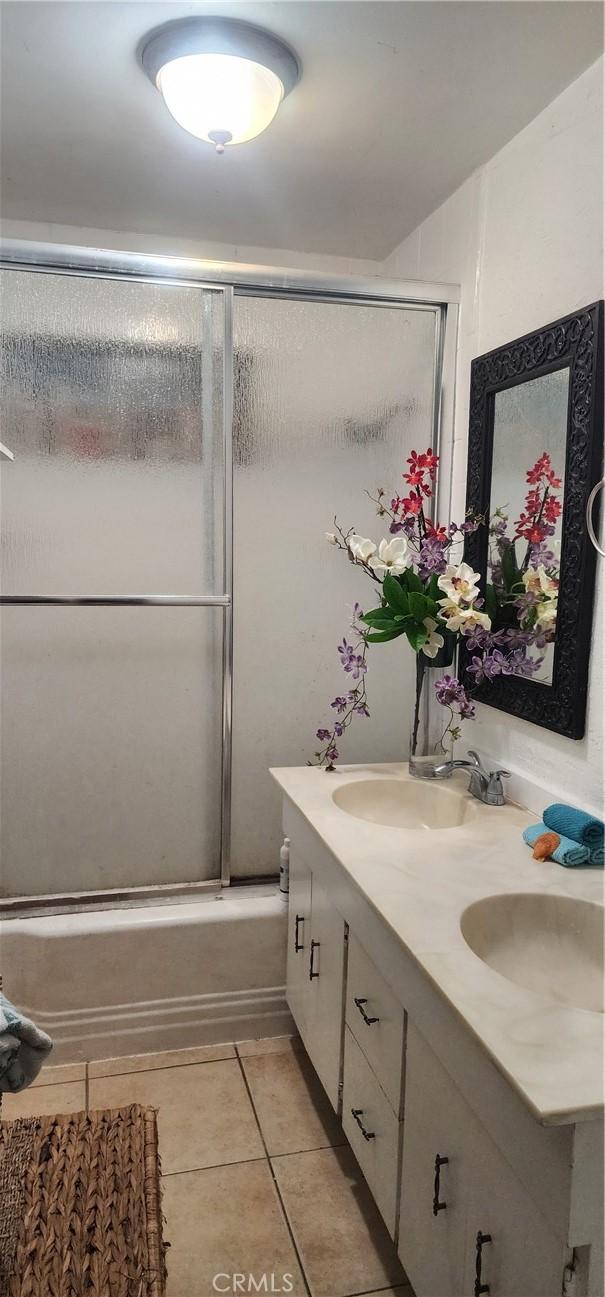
[[330, 398], [113, 697]]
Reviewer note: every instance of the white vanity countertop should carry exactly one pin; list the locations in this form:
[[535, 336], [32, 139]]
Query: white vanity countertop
[[420, 881]]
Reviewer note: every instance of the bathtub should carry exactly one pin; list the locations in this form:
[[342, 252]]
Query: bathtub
[[127, 981]]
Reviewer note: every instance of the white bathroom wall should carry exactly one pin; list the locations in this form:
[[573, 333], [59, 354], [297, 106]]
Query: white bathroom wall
[[524, 238], [162, 246]]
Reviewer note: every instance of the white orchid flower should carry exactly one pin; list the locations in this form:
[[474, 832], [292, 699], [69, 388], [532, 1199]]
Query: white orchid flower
[[537, 580], [546, 614], [434, 641], [392, 557], [459, 583], [361, 548], [462, 618]]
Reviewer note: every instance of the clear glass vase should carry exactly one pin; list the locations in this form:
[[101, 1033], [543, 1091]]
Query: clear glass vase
[[431, 743]]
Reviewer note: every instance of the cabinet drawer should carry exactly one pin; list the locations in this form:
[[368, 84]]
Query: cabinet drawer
[[376, 1019], [377, 1151]]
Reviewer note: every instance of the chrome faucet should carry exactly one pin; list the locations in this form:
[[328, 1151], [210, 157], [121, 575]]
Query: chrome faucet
[[485, 785]]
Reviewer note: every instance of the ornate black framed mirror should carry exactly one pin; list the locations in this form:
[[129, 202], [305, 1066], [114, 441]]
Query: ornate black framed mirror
[[535, 451]]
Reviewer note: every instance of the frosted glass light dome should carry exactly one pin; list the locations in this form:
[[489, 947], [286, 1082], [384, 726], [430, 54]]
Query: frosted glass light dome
[[222, 80], [220, 97]]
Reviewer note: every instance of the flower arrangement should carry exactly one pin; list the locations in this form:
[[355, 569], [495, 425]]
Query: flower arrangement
[[434, 601], [524, 592]]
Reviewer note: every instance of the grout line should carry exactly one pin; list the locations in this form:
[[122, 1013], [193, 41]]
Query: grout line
[[293, 1048], [274, 1179], [164, 1067], [317, 1148], [214, 1166], [405, 1288]]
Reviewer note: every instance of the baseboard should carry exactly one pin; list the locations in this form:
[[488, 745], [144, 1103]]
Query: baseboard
[[112, 1031]]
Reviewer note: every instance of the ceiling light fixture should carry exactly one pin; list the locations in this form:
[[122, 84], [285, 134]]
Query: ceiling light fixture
[[222, 80]]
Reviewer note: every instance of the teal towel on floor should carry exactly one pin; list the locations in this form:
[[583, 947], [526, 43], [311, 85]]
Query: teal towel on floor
[[23, 1048], [574, 824], [567, 853]]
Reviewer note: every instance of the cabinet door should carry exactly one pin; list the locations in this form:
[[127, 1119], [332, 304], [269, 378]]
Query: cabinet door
[[299, 937], [519, 1256], [325, 971], [432, 1226]]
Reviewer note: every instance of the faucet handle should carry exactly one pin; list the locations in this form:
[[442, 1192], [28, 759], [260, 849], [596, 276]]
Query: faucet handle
[[494, 790], [477, 760]]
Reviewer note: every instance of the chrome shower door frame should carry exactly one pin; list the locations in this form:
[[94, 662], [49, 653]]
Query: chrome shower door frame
[[229, 279]]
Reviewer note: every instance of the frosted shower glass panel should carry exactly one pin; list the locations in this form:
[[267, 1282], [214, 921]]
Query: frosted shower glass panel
[[112, 405], [111, 743], [329, 400]]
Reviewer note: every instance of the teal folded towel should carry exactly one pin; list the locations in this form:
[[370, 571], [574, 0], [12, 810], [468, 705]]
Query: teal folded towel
[[580, 827], [23, 1048], [567, 853]]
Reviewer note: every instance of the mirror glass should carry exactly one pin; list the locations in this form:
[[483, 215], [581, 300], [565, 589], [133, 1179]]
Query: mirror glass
[[525, 516]]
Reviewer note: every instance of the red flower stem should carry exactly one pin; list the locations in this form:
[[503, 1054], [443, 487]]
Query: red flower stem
[[537, 519]]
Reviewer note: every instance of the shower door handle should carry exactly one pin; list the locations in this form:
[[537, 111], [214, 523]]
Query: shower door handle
[[5, 453]]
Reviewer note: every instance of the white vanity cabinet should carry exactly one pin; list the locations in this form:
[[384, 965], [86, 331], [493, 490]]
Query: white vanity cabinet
[[315, 972], [448, 1146], [465, 1218]]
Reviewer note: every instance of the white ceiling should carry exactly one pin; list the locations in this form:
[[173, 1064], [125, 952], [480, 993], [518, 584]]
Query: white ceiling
[[398, 103]]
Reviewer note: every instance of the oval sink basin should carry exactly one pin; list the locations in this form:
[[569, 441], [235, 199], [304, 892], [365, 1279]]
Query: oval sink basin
[[549, 944], [407, 805]]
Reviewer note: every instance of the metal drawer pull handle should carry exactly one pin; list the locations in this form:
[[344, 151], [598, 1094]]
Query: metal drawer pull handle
[[312, 973], [479, 1286], [298, 945], [437, 1205], [360, 1004], [357, 1114]]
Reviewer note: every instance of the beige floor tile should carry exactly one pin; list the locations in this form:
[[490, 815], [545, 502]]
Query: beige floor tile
[[205, 1117], [268, 1045], [169, 1058], [291, 1104], [404, 1291], [226, 1221], [343, 1243], [44, 1100], [59, 1072]]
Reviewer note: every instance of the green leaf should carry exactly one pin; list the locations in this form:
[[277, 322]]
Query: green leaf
[[418, 605], [393, 593], [381, 636], [432, 589], [378, 615], [510, 570], [491, 602], [413, 581], [432, 609], [417, 636]]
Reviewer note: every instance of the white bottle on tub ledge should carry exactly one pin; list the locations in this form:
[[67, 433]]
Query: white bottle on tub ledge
[[284, 869]]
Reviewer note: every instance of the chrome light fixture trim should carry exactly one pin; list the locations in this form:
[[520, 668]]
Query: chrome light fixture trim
[[229, 39]]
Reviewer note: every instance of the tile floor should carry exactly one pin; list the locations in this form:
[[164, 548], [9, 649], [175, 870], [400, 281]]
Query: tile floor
[[257, 1175]]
